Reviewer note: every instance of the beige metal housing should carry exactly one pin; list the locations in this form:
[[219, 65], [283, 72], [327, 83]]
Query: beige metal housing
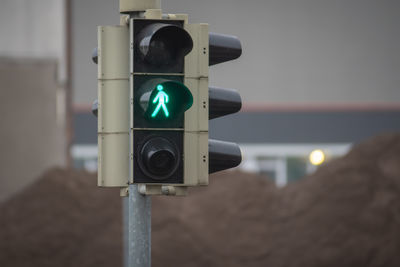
[[115, 93], [113, 108], [196, 118], [126, 6]]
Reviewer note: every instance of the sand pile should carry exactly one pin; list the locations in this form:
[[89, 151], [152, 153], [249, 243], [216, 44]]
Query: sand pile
[[62, 220], [345, 214]]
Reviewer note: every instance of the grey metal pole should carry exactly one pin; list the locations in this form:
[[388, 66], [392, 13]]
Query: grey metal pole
[[137, 228]]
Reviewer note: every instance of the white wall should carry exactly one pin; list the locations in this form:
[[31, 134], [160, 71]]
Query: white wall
[[33, 29]]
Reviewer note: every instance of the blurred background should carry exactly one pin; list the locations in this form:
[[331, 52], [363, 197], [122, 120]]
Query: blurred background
[[313, 75], [316, 77]]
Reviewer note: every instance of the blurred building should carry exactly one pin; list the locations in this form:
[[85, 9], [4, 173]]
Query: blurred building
[[313, 75], [295, 52], [276, 142], [34, 83]]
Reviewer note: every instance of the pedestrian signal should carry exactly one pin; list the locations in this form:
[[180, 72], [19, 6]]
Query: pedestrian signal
[[162, 101]]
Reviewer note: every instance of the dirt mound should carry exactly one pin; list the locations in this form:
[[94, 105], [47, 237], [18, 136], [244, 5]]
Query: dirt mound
[[62, 220], [345, 214]]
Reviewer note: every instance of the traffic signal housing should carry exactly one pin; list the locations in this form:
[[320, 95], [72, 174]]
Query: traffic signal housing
[[112, 107], [155, 103], [205, 155], [159, 99], [223, 155]]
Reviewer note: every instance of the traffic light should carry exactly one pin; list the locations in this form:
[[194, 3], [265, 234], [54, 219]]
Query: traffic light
[[160, 99], [155, 102], [204, 156], [223, 155]]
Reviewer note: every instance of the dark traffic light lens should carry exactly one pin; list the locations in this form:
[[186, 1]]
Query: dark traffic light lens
[[160, 161], [161, 53], [159, 158], [164, 44]]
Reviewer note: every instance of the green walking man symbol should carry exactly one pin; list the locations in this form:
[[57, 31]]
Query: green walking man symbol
[[161, 98]]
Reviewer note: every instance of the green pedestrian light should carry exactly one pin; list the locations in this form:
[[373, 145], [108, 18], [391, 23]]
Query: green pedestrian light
[[162, 103], [160, 100]]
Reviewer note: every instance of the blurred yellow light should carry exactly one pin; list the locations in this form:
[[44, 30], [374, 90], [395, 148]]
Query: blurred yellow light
[[317, 157]]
